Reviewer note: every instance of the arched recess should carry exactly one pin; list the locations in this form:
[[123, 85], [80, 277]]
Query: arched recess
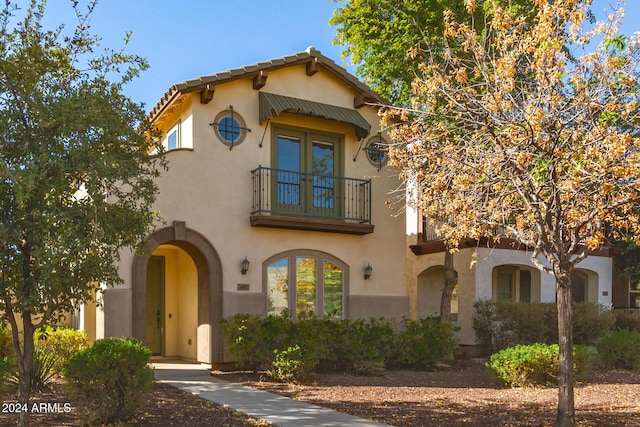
[[209, 271], [430, 286], [585, 285], [516, 283]]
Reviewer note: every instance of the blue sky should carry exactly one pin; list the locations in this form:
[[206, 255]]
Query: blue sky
[[184, 39]]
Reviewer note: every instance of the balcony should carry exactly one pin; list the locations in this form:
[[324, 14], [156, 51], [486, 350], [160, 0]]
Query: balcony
[[429, 241], [313, 202]]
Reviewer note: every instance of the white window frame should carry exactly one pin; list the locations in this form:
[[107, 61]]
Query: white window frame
[[174, 129]]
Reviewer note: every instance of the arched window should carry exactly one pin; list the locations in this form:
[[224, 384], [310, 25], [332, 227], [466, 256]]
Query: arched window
[[307, 284]]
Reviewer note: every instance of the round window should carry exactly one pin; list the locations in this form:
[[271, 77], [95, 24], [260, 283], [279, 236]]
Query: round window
[[376, 149], [230, 127]]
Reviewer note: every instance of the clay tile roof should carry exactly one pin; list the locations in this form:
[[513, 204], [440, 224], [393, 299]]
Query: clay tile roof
[[310, 54]]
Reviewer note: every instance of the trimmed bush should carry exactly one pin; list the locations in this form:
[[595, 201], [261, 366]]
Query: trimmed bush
[[364, 347], [626, 319], [252, 339], [591, 322], [500, 325], [620, 349], [424, 342], [534, 365], [359, 346], [110, 378]]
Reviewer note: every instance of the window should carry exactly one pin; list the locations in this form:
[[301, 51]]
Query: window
[[376, 150], [172, 138], [230, 127], [578, 287], [512, 284], [308, 164], [307, 284]]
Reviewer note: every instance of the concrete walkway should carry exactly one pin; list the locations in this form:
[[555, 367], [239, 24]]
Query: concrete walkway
[[277, 410]]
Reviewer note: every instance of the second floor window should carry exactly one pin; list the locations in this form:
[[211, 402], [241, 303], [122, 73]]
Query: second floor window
[[307, 164]]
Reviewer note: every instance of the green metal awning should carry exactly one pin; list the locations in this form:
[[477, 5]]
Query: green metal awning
[[272, 105]]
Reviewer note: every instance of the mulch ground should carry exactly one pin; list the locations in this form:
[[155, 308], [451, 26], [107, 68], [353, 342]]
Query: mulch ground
[[461, 395]]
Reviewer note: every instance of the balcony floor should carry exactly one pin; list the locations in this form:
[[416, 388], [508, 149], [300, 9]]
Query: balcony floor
[[310, 224]]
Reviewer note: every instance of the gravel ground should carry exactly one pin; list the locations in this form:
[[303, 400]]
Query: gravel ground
[[461, 395]]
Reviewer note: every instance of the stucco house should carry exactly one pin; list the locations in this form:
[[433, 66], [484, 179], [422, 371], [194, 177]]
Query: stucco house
[[501, 271], [274, 199]]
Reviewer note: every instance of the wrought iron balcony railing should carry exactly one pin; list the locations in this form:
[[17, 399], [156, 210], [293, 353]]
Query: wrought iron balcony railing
[[298, 194]]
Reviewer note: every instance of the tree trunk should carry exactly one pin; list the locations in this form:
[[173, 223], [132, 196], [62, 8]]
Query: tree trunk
[[566, 410], [450, 282], [25, 364]]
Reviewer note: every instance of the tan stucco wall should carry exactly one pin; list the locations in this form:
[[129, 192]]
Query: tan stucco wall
[[476, 281], [210, 189], [181, 296]]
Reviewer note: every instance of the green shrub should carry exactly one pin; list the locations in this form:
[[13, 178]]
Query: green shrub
[[626, 319], [7, 362], [485, 324], [110, 378], [7, 371], [620, 349], [500, 325], [62, 343], [292, 365], [251, 339], [590, 322], [533, 365], [360, 346], [42, 369], [424, 342]]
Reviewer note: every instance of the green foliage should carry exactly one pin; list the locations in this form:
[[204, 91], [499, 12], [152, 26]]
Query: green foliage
[[364, 347], [424, 342], [77, 181], [292, 365], [42, 369], [620, 349], [627, 319], [251, 339], [590, 322], [110, 378], [377, 36], [500, 325], [7, 370], [359, 346], [533, 365], [62, 343]]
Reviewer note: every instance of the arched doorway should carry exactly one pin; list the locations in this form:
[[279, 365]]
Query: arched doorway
[[208, 295]]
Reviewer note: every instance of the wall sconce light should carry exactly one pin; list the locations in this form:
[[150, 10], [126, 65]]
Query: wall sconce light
[[245, 266], [367, 271]]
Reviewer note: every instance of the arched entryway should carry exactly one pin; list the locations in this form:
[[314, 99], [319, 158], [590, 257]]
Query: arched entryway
[[208, 270], [430, 287]]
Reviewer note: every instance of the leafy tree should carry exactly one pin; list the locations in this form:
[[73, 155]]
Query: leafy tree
[[379, 34], [387, 40], [531, 133], [76, 178]]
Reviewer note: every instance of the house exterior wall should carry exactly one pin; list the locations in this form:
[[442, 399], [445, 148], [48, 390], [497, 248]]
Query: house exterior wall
[[209, 187], [477, 281]]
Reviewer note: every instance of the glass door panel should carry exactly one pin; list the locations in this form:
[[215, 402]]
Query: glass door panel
[[322, 166], [289, 192]]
